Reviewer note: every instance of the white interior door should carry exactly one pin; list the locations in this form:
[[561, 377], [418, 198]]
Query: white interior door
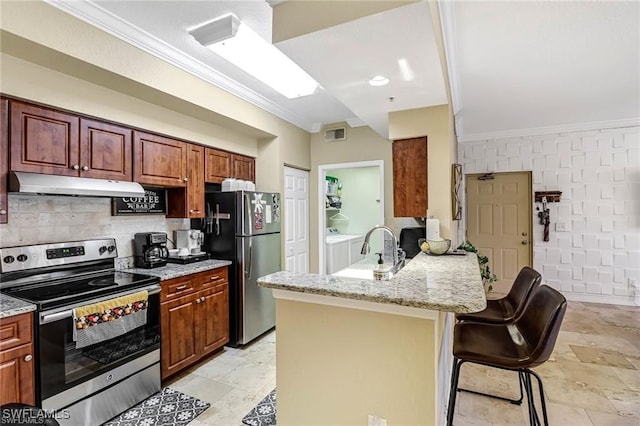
[[296, 214]]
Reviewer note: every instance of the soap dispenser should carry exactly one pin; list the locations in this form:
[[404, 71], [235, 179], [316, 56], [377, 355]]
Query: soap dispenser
[[380, 261]]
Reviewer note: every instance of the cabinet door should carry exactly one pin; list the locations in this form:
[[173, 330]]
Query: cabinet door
[[105, 151], [195, 184], [243, 167], [16, 375], [4, 158], [410, 177], [217, 165], [213, 318], [44, 141], [179, 335], [158, 160]]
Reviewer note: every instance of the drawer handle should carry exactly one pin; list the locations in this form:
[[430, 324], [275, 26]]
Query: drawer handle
[[215, 277], [28, 358], [181, 287]]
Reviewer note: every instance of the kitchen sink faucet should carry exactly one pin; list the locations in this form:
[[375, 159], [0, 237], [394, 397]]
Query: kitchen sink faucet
[[365, 245]]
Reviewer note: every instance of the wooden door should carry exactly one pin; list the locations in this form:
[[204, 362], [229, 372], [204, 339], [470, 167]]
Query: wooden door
[[296, 220], [16, 359], [105, 151], [213, 318], [44, 141], [159, 160], [217, 165], [4, 159], [179, 333], [195, 185], [243, 167], [499, 223], [410, 177]]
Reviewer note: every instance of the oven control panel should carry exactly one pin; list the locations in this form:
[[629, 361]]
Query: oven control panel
[[57, 253], [42, 255]]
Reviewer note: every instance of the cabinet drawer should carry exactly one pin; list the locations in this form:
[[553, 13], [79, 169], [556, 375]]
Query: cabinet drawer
[[212, 278], [15, 331], [177, 287]]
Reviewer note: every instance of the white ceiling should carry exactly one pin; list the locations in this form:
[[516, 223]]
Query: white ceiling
[[514, 66]]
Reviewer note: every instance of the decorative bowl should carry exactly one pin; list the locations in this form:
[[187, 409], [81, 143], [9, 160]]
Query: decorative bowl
[[436, 247]]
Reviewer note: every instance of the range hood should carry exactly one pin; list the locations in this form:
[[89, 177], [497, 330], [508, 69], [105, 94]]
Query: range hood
[[35, 183]]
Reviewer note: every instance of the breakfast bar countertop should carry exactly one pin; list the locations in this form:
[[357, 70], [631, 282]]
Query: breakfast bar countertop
[[450, 283], [175, 270]]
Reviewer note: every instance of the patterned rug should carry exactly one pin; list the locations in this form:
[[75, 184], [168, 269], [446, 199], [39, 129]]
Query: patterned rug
[[264, 413], [168, 407]]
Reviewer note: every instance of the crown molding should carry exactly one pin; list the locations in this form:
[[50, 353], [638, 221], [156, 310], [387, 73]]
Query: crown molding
[[104, 20], [537, 131]]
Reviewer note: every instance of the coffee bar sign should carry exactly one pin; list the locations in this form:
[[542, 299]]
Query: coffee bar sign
[[154, 201]]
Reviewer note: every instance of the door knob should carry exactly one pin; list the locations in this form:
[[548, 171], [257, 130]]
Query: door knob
[[524, 242], [524, 234]]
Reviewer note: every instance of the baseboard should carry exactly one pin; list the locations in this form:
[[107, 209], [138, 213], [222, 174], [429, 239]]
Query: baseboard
[[599, 298]]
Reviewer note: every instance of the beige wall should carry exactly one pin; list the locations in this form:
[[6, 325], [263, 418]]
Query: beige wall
[[436, 124], [362, 144], [335, 366]]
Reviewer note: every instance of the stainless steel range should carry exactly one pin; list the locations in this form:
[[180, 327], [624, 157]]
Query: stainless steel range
[[93, 383]]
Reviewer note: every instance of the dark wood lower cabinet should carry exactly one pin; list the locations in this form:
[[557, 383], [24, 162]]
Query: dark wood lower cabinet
[[194, 323], [16, 360]]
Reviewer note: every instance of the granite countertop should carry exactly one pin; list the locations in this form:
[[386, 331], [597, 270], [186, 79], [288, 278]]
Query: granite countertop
[[10, 306], [175, 270], [444, 283]]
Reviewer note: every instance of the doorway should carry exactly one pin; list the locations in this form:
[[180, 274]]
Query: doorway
[[296, 217], [499, 223], [351, 201]]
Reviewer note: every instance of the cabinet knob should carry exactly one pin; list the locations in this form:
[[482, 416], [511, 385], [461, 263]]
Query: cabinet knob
[[3, 212], [198, 300], [186, 179], [85, 168], [524, 242], [75, 167], [28, 358]]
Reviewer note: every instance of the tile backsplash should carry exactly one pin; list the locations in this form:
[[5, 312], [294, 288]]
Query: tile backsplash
[[39, 219]]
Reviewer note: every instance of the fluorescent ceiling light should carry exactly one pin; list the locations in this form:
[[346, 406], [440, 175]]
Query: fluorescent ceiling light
[[379, 80], [238, 44]]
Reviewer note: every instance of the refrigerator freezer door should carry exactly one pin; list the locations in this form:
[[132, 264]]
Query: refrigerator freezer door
[[259, 213], [260, 255]]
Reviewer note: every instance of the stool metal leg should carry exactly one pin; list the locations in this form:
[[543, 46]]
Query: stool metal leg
[[455, 375], [530, 403], [502, 398], [542, 402]]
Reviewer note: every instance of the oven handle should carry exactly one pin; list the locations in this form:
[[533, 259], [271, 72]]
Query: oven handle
[[68, 313]]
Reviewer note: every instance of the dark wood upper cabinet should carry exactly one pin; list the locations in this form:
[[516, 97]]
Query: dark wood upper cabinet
[[243, 167], [410, 177], [188, 202], [217, 165], [159, 160], [44, 141], [105, 151], [4, 158]]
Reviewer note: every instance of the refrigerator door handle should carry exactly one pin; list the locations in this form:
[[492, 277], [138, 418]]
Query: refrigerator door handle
[[250, 259]]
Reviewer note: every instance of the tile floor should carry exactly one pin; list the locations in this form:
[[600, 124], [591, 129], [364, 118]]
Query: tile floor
[[592, 378]]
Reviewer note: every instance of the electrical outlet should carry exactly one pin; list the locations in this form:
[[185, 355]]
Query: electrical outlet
[[561, 227]]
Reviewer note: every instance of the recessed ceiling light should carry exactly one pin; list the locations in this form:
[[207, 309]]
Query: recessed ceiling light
[[379, 80]]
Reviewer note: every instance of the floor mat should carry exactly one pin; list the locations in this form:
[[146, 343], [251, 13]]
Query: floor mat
[[168, 407], [264, 413]]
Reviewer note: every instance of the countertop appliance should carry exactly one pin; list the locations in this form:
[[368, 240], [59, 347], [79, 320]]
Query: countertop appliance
[[188, 244], [150, 249], [97, 382], [244, 227]]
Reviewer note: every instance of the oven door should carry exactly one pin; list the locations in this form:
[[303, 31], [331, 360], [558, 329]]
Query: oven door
[[63, 369]]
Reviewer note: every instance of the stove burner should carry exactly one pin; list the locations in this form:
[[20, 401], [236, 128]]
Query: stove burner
[[102, 282]]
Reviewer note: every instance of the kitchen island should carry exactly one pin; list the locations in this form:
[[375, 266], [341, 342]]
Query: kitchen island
[[349, 348]]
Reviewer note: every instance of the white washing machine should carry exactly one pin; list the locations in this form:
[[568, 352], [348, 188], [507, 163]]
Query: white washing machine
[[342, 250]]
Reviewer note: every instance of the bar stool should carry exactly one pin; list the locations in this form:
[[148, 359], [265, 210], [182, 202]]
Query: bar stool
[[507, 309], [519, 346]]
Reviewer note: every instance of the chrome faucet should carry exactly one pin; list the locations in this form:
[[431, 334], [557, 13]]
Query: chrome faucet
[[365, 245]]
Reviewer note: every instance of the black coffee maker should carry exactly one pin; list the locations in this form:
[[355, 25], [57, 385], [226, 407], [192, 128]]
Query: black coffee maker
[[150, 249]]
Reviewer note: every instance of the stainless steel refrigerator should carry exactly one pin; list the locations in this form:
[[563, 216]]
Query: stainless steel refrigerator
[[244, 227]]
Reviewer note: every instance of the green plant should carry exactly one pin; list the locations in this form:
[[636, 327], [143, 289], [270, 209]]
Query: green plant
[[483, 261]]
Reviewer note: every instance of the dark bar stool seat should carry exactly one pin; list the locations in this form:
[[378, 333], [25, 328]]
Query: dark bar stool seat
[[510, 307], [519, 346]]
